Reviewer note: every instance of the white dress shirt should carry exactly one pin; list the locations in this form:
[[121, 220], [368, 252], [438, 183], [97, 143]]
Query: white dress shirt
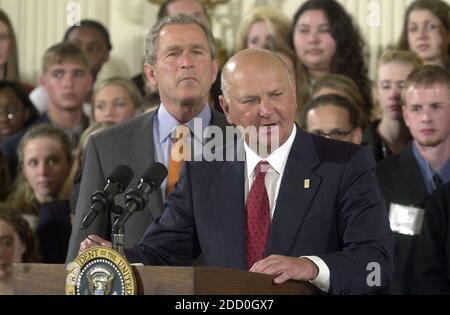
[[277, 160]]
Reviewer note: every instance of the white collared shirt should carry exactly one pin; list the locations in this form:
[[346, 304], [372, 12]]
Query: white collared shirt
[[277, 160]]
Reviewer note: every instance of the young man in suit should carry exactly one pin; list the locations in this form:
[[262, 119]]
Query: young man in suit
[[181, 61], [296, 206], [407, 179]]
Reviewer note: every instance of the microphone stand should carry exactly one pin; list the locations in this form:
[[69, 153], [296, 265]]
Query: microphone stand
[[118, 237]]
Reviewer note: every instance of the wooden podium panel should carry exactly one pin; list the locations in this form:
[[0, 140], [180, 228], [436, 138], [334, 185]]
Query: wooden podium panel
[[49, 279]]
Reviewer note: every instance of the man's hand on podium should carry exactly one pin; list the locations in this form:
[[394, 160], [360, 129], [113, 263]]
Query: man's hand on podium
[[93, 240], [287, 268]]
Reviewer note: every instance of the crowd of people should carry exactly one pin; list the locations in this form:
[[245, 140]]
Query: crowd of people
[[355, 171]]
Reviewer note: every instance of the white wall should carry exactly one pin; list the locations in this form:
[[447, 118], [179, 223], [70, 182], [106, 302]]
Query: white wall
[[41, 23]]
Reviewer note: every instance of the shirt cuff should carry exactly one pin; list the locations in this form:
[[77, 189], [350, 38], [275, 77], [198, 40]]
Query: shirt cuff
[[322, 281]]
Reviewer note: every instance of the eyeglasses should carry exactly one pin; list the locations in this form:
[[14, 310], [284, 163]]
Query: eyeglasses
[[9, 111], [334, 134]]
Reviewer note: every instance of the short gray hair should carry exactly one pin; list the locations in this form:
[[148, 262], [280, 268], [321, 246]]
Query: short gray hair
[[152, 38]]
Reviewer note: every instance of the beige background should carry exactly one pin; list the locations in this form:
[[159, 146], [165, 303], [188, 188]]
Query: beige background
[[41, 23]]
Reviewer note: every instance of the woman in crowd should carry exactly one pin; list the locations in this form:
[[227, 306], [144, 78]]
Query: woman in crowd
[[45, 161], [344, 86], [115, 100], [426, 31], [326, 41], [16, 110], [17, 244], [9, 66], [261, 26], [390, 134]]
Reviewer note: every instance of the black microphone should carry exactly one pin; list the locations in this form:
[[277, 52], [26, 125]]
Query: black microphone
[[102, 200], [136, 199]]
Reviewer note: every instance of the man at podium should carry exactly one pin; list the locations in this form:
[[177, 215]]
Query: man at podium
[[287, 203]]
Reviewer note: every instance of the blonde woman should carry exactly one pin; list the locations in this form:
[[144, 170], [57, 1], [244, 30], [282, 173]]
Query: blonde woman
[[45, 160], [389, 135], [115, 100], [261, 26]]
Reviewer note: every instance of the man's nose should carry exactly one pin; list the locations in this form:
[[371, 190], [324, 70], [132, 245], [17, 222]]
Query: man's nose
[[186, 60], [265, 108]]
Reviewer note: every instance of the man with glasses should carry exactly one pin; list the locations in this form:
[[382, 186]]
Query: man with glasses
[[334, 117]]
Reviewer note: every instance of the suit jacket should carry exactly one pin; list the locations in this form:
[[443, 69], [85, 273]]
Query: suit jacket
[[432, 269], [401, 182], [340, 217], [129, 143]]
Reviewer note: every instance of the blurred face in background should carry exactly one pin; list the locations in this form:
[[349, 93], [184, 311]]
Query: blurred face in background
[[113, 103], [68, 84], [93, 44], [427, 36], [46, 167], [389, 86], [13, 113], [188, 7], [260, 34], [332, 122], [11, 249], [4, 43], [313, 42]]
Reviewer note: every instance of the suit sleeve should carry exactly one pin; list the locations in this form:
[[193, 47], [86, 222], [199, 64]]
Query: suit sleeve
[[365, 262], [431, 274], [171, 239], [92, 179]]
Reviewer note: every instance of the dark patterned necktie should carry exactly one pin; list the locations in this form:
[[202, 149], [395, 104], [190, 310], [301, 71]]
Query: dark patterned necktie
[[437, 181], [258, 216]]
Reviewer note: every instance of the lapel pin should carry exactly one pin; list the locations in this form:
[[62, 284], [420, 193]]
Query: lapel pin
[[306, 183]]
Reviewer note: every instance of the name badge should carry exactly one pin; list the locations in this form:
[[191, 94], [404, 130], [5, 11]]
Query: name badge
[[406, 219]]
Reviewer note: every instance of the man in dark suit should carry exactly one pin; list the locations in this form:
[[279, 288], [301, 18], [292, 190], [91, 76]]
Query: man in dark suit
[[407, 179], [432, 260], [181, 61], [288, 204]]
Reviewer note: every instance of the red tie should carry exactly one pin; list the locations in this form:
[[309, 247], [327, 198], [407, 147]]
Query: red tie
[[258, 216]]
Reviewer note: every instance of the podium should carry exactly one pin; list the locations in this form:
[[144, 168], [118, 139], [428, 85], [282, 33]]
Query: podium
[[50, 279]]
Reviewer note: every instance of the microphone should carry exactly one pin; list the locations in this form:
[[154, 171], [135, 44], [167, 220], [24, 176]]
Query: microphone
[[136, 199], [101, 200]]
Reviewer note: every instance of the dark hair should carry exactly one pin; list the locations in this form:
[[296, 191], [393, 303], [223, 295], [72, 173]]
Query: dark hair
[[164, 8], [438, 8], [349, 57], [92, 24], [23, 230], [352, 109], [19, 91]]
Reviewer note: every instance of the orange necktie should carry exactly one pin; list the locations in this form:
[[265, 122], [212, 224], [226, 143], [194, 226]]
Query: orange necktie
[[180, 152]]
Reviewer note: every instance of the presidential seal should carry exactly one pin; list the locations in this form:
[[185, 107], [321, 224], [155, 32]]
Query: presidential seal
[[100, 271]]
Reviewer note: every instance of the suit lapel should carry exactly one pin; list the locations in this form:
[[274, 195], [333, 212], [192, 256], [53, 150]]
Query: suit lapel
[[143, 152], [297, 191], [227, 195]]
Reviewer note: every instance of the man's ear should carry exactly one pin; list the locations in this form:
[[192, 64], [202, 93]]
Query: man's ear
[[43, 81], [226, 108], [150, 74]]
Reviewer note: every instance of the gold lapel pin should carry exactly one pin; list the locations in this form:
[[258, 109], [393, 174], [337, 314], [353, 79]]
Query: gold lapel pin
[[306, 183]]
